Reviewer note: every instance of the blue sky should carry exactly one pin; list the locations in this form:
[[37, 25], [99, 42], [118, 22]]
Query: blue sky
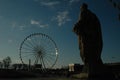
[[56, 18]]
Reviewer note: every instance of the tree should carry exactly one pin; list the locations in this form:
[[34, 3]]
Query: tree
[[1, 65], [6, 62]]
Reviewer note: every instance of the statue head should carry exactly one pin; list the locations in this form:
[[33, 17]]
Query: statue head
[[84, 6]]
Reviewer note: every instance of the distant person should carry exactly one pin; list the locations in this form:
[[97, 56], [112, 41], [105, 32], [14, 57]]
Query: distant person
[[88, 30]]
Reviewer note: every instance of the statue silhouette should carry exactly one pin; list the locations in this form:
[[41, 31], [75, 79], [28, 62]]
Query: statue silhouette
[[88, 30]]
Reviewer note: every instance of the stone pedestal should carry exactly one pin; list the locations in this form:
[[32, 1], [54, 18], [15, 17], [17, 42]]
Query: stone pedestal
[[100, 72]]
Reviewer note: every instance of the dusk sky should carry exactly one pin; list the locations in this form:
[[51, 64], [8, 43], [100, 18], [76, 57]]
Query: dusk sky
[[56, 18]]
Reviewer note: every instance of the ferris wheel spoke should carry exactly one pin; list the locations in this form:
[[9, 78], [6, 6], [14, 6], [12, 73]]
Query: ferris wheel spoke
[[43, 40], [40, 62], [27, 49], [50, 58], [49, 55], [27, 55], [47, 46], [43, 62], [34, 41], [47, 63], [36, 59], [50, 50], [39, 40], [28, 46], [27, 52], [30, 42]]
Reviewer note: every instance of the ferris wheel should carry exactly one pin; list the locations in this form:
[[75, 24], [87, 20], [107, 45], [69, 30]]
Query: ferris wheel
[[39, 48]]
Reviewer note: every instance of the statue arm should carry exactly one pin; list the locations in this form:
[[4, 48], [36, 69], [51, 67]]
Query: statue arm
[[79, 26]]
